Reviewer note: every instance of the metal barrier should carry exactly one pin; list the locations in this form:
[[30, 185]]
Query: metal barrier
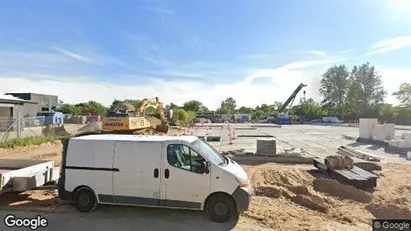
[[11, 128]]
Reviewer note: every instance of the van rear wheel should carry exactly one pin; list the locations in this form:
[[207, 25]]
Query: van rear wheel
[[221, 208], [85, 200]]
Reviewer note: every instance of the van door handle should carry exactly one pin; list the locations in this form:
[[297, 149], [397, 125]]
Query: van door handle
[[166, 173], [156, 173]]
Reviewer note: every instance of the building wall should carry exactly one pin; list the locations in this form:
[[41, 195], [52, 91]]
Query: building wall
[[5, 112], [30, 109], [45, 102]]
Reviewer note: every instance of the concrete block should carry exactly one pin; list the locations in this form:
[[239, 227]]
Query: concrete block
[[366, 127], [394, 143], [401, 144], [407, 139], [389, 129], [378, 133]]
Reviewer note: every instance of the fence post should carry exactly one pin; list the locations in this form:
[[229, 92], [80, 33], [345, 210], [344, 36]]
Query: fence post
[[19, 124]]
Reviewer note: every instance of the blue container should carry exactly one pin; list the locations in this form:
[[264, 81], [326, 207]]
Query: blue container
[[52, 118]]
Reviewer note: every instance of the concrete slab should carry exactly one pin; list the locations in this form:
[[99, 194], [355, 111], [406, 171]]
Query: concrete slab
[[318, 141]]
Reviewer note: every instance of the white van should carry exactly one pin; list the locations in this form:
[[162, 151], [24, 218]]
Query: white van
[[156, 171]]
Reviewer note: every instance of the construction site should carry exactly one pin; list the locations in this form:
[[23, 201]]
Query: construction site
[[294, 188]]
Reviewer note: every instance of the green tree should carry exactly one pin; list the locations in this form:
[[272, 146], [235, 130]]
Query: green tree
[[365, 90], [333, 88], [182, 117], [267, 109], [174, 106], [70, 109], [228, 106], [245, 110], [402, 115], [192, 105], [97, 107], [404, 94], [386, 112]]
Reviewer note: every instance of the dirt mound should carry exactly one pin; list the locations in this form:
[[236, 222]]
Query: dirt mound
[[311, 202], [55, 131], [287, 177], [334, 188], [389, 211], [268, 191], [92, 127]]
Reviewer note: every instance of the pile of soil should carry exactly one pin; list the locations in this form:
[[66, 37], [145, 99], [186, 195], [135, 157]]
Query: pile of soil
[[55, 131], [92, 127], [343, 191], [286, 199], [389, 211]]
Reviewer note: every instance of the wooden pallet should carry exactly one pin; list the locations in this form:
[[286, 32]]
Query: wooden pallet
[[356, 176]]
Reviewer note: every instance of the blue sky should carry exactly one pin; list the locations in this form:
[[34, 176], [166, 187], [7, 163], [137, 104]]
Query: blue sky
[[255, 51]]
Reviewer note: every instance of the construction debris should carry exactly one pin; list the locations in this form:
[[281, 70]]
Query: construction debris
[[345, 151], [338, 162]]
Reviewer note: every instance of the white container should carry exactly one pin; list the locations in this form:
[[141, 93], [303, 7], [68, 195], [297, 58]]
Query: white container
[[408, 155]]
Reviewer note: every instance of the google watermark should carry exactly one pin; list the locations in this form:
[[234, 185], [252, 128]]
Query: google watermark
[[32, 223], [391, 225]]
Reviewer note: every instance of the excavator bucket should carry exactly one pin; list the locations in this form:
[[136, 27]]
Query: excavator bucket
[[163, 128]]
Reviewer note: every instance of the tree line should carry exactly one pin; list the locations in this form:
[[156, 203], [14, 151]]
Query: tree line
[[348, 94]]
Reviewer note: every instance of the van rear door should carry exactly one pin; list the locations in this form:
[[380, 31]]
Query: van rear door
[[137, 182]]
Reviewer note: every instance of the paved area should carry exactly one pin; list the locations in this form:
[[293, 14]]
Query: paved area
[[108, 218], [317, 140]]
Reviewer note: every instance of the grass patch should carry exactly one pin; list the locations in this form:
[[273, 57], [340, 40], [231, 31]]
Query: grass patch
[[31, 141]]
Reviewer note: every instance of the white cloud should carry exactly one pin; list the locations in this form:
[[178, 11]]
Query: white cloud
[[319, 53], [284, 81], [392, 78], [73, 55], [388, 45]]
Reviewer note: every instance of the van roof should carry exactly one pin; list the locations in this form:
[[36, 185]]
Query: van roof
[[117, 137]]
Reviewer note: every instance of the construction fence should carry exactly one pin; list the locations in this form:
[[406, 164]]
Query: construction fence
[[25, 127], [11, 128]]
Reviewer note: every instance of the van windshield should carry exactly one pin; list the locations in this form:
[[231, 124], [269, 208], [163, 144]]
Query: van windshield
[[209, 151]]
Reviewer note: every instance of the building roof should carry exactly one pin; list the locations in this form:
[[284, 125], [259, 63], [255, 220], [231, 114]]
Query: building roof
[[14, 100], [107, 137]]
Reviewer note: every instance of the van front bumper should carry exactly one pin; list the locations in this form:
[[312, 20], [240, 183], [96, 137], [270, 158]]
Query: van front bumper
[[242, 198]]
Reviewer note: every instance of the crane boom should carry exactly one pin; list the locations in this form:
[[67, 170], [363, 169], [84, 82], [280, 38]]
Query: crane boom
[[291, 98]]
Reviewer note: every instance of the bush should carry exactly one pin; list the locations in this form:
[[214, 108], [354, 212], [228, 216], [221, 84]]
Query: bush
[[31, 141], [182, 117]]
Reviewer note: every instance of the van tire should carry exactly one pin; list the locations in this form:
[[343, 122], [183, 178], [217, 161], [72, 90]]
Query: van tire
[[85, 200], [221, 208]]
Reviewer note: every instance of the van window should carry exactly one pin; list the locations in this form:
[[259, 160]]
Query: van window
[[182, 156]]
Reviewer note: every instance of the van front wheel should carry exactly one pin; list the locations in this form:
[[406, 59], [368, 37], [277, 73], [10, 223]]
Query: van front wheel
[[221, 208], [85, 200]]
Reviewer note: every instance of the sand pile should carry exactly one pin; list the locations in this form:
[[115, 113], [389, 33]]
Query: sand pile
[[389, 211], [55, 131], [343, 191], [92, 127]]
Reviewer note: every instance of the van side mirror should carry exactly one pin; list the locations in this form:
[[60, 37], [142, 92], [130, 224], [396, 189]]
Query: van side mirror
[[205, 167]]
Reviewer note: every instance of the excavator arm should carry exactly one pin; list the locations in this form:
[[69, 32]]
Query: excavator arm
[[155, 103]]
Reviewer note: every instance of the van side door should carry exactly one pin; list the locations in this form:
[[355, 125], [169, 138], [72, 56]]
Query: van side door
[[138, 180], [182, 182]]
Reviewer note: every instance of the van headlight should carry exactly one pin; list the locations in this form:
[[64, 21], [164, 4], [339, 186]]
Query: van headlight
[[243, 182]]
